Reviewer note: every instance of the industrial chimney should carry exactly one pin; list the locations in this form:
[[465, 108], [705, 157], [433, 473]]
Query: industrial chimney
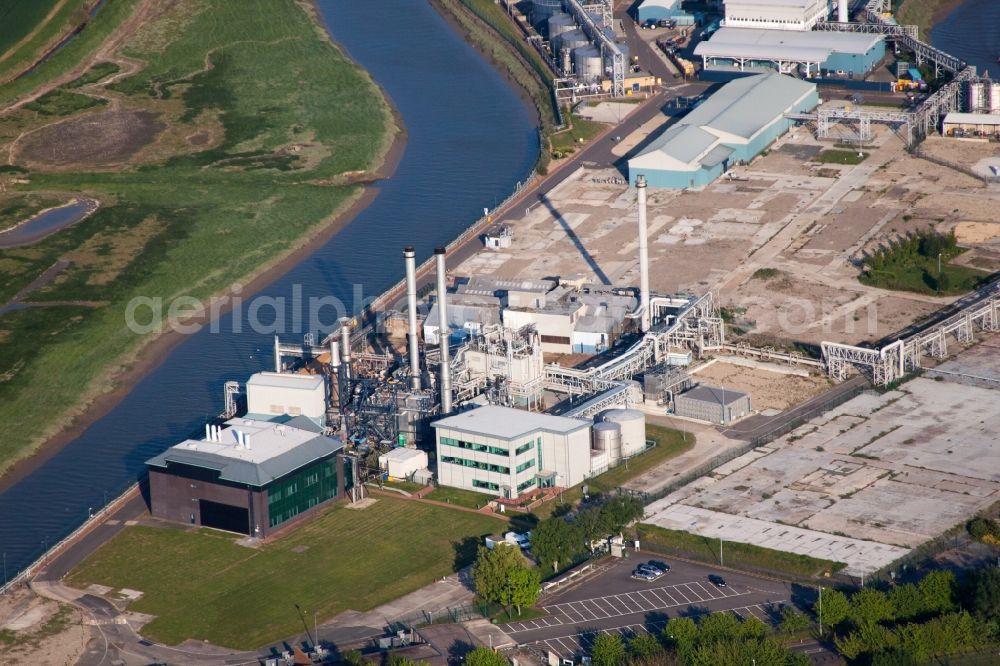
[[335, 379], [443, 331], [640, 185], [411, 312], [277, 354], [843, 13], [345, 348]]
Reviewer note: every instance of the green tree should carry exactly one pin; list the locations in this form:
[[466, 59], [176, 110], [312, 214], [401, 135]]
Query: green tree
[[717, 627], [643, 644], [353, 658], [938, 591], [591, 525], [492, 571], [608, 650], [835, 607], [399, 660], [869, 606], [982, 592], [752, 627], [524, 588], [897, 657], [907, 602], [680, 633], [739, 652], [618, 512], [792, 620], [483, 656], [556, 542]]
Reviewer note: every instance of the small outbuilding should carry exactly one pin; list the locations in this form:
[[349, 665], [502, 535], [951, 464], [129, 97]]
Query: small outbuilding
[[971, 124], [714, 405], [403, 462]]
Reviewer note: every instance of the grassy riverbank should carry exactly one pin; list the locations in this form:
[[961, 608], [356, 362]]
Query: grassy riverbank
[[924, 14], [230, 135]]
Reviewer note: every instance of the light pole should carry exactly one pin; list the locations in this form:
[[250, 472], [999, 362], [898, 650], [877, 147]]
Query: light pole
[[315, 632], [821, 611], [720, 551]]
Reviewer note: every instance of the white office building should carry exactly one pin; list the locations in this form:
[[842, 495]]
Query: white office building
[[508, 452], [776, 14]]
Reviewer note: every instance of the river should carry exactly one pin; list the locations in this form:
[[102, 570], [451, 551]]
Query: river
[[972, 32], [470, 139]]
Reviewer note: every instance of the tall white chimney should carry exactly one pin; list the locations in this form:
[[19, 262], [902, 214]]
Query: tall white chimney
[[443, 331], [411, 312], [640, 185], [277, 354], [345, 347], [208, 432], [843, 13]]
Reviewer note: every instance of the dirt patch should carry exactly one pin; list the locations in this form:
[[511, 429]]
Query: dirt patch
[[34, 630], [199, 138], [768, 390], [101, 139], [976, 232]]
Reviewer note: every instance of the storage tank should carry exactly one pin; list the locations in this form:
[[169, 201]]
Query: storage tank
[[607, 437], [977, 99], [567, 41], [541, 10], [633, 425], [587, 63], [995, 97], [560, 23]]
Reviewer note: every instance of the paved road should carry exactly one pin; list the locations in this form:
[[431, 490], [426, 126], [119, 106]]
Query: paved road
[[612, 602]]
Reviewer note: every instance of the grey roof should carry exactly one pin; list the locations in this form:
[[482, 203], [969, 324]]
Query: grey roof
[[713, 395], [301, 422], [285, 380], [250, 467], [684, 142], [746, 105], [491, 284], [799, 4], [508, 423], [804, 45], [972, 118]]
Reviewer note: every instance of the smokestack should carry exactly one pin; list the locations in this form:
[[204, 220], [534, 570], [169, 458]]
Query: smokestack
[[334, 373], [345, 347], [277, 354], [411, 312], [640, 185], [443, 331], [208, 432], [843, 13]]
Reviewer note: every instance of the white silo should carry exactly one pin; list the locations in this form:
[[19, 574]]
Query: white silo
[[607, 437], [995, 97], [977, 96], [560, 23], [587, 63], [633, 428], [572, 39]]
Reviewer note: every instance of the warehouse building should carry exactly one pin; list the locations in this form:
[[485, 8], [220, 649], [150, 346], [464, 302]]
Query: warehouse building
[[971, 124], [732, 126], [508, 452], [714, 405], [823, 53], [655, 10], [776, 14], [248, 476]]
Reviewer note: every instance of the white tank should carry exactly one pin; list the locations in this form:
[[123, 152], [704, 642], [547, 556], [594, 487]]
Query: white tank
[[572, 39], [587, 63], [633, 425], [995, 97], [607, 438], [560, 23], [977, 96]]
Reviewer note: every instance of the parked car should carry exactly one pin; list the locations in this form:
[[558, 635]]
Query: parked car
[[649, 24], [643, 574], [654, 571], [658, 565], [666, 23], [717, 581]]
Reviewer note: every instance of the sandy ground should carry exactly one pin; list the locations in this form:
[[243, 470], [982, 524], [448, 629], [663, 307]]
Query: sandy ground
[[768, 390], [44, 632]]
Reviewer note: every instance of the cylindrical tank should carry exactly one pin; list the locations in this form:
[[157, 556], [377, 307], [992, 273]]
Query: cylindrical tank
[[541, 10], [977, 94], [572, 39], [587, 63], [560, 23], [608, 437], [995, 97], [633, 425]]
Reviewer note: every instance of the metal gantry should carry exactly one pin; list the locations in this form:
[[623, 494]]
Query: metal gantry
[[609, 49]]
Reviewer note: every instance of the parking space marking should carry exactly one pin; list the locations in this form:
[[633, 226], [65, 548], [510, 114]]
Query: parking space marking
[[639, 601], [694, 592]]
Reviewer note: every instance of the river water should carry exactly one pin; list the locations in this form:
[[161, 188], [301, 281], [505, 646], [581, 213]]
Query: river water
[[470, 139], [972, 32]]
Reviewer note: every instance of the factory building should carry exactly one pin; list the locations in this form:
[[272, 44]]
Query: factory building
[[468, 314], [824, 53], [776, 14], [714, 405], [272, 395], [248, 476], [507, 452], [656, 10], [732, 126]]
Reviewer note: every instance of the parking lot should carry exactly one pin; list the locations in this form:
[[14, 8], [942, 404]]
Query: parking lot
[[611, 601]]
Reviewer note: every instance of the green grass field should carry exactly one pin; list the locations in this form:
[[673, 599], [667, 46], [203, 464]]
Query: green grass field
[[459, 497], [921, 276], [179, 218], [920, 13], [734, 554], [570, 140], [669, 444], [27, 31], [841, 157], [201, 585]]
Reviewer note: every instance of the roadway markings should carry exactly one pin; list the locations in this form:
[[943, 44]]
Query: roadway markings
[[627, 603], [574, 645]]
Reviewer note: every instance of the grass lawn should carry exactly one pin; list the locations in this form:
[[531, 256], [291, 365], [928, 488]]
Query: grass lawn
[[244, 160], [734, 554], [408, 486], [832, 156], [244, 598], [669, 444], [465, 498], [921, 276], [569, 140]]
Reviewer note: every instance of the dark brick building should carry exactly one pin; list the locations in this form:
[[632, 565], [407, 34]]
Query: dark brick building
[[247, 476]]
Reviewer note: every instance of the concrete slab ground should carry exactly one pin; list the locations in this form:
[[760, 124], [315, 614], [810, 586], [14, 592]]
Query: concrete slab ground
[[866, 481]]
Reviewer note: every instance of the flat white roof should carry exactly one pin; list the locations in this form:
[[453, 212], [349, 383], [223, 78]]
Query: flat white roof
[[265, 439], [285, 380], [972, 118], [508, 423], [814, 46], [402, 453]]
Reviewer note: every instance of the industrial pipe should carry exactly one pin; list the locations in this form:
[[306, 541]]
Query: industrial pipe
[[345, 348], [443, 330], [411, 311], [640, 184]]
